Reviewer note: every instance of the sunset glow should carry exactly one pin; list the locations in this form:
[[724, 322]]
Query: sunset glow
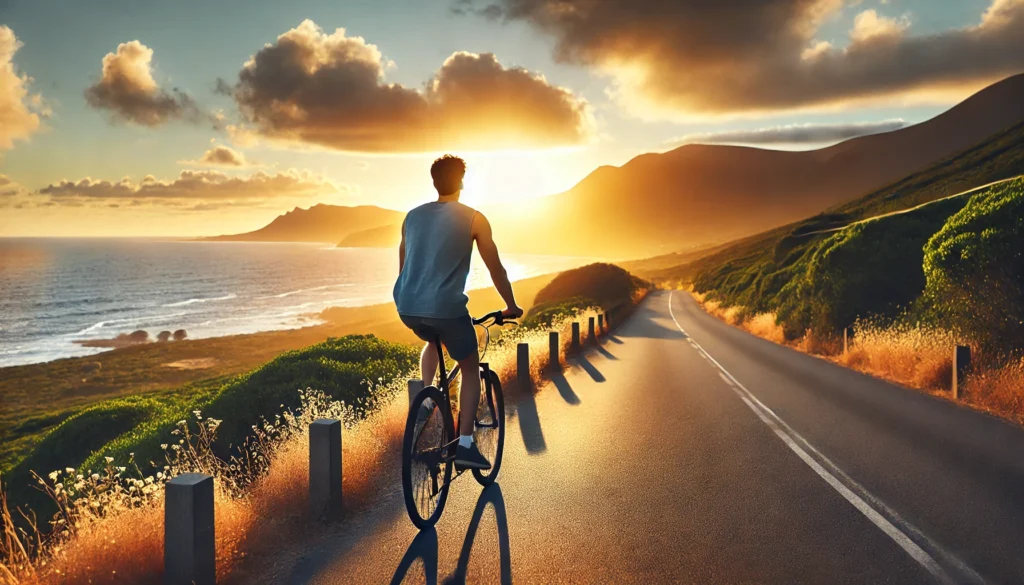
[[339, 108]]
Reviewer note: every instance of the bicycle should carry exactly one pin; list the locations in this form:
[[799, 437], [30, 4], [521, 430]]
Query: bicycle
[[431, 435]]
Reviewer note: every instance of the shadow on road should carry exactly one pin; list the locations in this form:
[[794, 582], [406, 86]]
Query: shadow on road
[[606, 353], [594, 373], [424, 546], [614, 339], [565, 389], [646, 322], [529, 424], [491, 495]]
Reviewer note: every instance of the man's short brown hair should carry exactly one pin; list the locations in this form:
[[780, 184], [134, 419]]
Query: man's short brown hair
[[448, 172]]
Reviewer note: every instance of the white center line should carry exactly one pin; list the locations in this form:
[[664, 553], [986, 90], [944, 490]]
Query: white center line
[[851, 490]]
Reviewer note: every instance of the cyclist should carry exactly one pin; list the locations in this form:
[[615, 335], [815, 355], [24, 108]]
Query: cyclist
[[433, 264]]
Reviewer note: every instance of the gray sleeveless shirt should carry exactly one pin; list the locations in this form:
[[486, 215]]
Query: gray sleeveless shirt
[[438, 246]]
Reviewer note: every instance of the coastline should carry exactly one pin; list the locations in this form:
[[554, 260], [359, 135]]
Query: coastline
[[37, 394]]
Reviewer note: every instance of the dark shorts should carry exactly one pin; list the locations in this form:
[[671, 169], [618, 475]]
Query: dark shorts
[[457, 335]]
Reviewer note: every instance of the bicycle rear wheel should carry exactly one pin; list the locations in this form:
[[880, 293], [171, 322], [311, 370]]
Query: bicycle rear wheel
[[426, 473], [489, 433]]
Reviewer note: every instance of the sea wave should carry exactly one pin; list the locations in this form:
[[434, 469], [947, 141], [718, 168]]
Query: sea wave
[[143, 319], [206, 300], [305, 290]]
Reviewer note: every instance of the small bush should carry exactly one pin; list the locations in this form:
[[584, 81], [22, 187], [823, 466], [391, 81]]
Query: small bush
[[546, 314], [606, 284]]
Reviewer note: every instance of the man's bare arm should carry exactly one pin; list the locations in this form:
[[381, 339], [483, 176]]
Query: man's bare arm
[[489, 253]]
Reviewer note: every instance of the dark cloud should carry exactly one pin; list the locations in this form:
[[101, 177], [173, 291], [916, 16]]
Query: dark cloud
[[127, 89], [753, 56], [329, 90], [793, 134], [192, 188]]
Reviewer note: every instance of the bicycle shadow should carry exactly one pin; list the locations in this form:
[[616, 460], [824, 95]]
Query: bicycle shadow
[[424, 546]]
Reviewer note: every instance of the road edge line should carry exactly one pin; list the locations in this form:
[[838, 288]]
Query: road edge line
[[792, 439]]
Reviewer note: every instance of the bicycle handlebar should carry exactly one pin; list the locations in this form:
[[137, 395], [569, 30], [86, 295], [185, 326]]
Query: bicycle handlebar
[[497, 316]]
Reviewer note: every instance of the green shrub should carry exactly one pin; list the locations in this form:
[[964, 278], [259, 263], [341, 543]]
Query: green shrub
[[868, 270], [605, 284], [975, 269], [543, 315], [340, 367], [347, 368]]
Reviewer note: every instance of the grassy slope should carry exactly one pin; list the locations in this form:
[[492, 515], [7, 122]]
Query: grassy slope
[[765, 271], [140, 424], [38, 397]]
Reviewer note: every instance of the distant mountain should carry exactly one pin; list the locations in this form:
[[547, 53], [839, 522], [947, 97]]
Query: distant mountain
[[385, 236], [320, 223], [699, 194]]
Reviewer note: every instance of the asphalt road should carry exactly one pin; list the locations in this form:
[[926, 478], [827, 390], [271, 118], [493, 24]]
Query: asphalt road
[[684, 450]]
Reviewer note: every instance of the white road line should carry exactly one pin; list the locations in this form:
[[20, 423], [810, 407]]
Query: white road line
[[848, 490]]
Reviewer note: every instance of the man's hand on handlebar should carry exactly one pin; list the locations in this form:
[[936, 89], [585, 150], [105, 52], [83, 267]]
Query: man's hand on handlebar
[[513, 312]]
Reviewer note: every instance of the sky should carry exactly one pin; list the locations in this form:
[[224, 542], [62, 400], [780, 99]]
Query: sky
[[159, 118]]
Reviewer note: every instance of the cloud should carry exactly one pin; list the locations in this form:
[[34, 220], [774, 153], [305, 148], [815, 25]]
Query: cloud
[[793, 134], [12, 195], [754, 57], [868, 25], [329, 90], [8, 187], [194, 189], [20, 111], [220, 156], [128, 90]]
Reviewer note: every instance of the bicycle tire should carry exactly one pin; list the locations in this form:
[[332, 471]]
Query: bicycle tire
[[436, 432], [487, 477]]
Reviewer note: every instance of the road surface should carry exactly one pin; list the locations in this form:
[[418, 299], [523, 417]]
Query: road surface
[[684, 450]]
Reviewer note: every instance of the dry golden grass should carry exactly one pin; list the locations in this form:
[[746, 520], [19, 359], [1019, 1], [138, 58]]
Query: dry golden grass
[[999, 390], [761, 324], [765, 325], [117, 521], [918, 357]]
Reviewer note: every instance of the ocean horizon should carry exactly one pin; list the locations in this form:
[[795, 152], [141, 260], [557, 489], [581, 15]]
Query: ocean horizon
[[56, 291]]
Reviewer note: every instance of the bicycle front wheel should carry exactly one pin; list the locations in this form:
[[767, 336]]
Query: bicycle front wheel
[[426, 468], [489, 431]]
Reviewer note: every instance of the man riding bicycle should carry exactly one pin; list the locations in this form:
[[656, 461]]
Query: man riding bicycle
[[433, 264]]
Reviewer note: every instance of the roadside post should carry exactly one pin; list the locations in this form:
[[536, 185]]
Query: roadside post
[[523, 365], [961, 368], [553, 350], [189, 546], [414, 388], [325, 467]]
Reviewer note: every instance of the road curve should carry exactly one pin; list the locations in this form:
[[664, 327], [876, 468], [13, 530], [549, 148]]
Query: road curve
[[684, 450]]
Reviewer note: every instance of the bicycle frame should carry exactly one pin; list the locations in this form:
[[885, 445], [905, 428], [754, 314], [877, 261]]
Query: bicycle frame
[[446, 380]]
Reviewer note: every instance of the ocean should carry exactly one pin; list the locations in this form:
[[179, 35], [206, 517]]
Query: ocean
[[56, 291]]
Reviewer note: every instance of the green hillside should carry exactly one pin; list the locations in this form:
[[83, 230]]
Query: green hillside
[[340, 367], [827, 271]]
